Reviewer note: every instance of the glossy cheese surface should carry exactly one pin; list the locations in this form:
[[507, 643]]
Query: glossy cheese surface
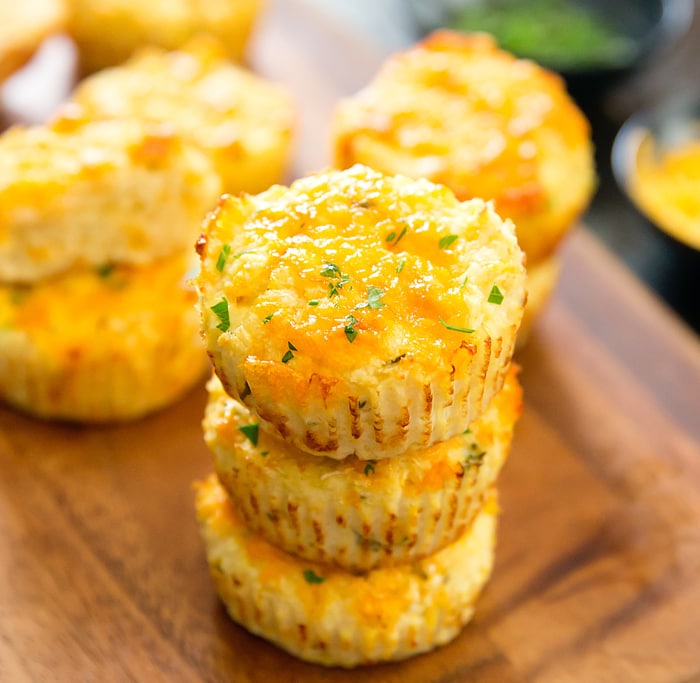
[[459, 111], [350, 279]]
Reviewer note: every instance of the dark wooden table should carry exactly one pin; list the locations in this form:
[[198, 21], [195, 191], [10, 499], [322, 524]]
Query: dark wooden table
[[597, 578]]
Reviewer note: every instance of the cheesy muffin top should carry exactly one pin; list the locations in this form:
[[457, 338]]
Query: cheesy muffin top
[[87, 193], [459, 111], [351, 282], [243, 122]]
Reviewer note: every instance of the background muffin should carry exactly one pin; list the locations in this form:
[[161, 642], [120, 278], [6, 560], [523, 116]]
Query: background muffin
[[242, 122], [85, 194], [108, 32], [459, 111], [360, 313], [102, 344]]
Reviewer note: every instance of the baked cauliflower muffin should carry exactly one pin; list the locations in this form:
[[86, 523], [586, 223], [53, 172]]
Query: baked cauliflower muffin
[[240, 121], [459, 111], [83, 194], [23, 27], [335, 618], [358, 313], [358, 515], [105, 344], [107, 32]]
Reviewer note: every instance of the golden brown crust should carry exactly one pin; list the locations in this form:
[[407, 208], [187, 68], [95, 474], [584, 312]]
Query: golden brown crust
[[334, 618], [461, 112], [357, 310]]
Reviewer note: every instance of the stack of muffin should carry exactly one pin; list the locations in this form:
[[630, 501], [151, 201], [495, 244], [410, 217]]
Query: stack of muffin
[[459, 111], [361, 327]]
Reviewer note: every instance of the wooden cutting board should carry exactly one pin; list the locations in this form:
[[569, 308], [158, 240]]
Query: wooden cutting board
[[597, 578]]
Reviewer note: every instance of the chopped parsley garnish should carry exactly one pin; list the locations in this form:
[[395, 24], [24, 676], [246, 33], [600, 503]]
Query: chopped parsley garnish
[[223, 255], [289, 355], [446, 241], [314, 302], [330, 270], [400, 265], [464, 284], [455, 328], [350, 331], [251, 432], [369, 467], [267, 318], [105, 270], [310, 576], [374, 299], [264, 453], [221, 311], [496, 296], [391, 237], [467, 431]]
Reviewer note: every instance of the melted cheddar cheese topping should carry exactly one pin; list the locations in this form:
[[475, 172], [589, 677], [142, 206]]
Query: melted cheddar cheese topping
[[352, 270]]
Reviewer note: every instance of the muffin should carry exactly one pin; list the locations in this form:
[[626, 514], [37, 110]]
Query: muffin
[[104, 344], [542, 279], [23, 27], [240, 121], [107, 32], [358, 515], [459, 111], [335, 618], [358, 313], [86, 194]]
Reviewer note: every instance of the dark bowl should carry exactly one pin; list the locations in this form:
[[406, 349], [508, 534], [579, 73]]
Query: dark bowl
[[655, 131], [584, 40]]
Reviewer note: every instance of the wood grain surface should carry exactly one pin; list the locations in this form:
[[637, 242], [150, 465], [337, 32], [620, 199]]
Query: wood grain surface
[[102, 572]]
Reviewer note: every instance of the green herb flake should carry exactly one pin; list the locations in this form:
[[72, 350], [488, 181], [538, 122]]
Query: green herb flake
[[350, 331], [446, 241], [221, 311], [105, 270], [455, 328], [289, 355], [251, 432], [401, 234], [369, 467], [464, 284], [264, 454], [310, 576], [496, 296], [223, 255], [267, 318], [390, 237], [331, 270], [374, 299], [400, 265], [314, 302]]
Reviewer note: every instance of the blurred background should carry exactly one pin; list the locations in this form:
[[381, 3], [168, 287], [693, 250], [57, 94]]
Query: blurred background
[[619, 58]]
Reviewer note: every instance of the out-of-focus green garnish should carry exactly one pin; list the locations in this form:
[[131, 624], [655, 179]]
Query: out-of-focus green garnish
[[310, 576], [350, 331]]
